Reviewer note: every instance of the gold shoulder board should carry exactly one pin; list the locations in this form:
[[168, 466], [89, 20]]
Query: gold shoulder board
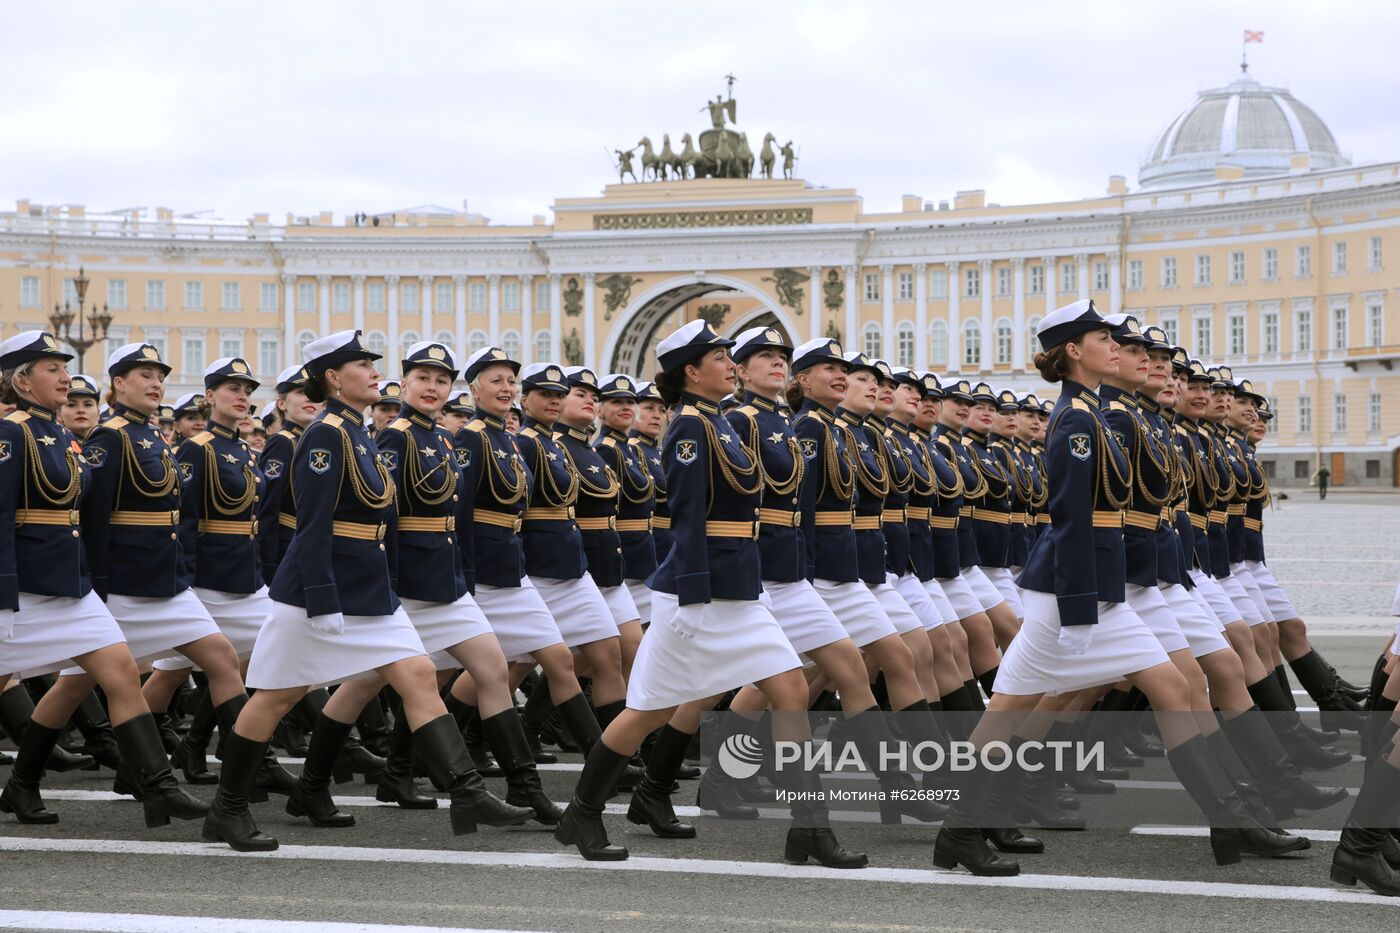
[[18, 417], [202, 438], [1078, 404], [400, 424], [334, 421], [476, 424], [117, 422]]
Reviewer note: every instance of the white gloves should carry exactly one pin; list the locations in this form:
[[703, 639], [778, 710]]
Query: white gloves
[[686, 622], [765, 600], [7, 624], [1074, 639], [332, 623]]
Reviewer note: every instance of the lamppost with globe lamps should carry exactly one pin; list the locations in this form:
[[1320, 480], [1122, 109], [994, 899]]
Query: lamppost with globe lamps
[[61, 321]]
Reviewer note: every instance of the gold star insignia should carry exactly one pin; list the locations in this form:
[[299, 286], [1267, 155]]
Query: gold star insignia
[[594, 469], [361, 448], [428, 452], [47, 441], [231, 458], [776, 437]]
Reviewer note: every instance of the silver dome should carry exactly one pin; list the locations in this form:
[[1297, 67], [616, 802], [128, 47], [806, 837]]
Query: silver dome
[[1259, 129]]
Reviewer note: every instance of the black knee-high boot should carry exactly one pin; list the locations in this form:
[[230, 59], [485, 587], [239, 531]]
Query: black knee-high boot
[[974, 693], [810, 834], [21, 794], [1379, 678], [312, 797], [1115, 717], [1336, 710], [229, 820], [191, 756], [445, 759], [607, 712], [651, 801], [91, 719], [143, 754], [1359, 853], [870, 731], [353, 755], [60, 759], [962, 840], [717, 790], [374, 728], [1380, 729], [1280, 781], [582, 823], [506, 736], [959, 704], [580, 721], [1288, 727], [468, 718], [988, 678], [998, 820], [396, 783], [539, 706], [16, 707], [1239, 776], [271, 777]]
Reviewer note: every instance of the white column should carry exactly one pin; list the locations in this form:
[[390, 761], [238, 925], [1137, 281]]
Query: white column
[[1115, 283], [324, 303], [493, 312], [887, 307], [988, 336], [425, 301], [1018, 314], [358, 284], [1081, 262], [814, 304], [954, 315], [459, 314], [1050, 272], [391, 348], [852, 334], [588, 315], [921, 316], [527, 319], [289, 320], [556, 317]]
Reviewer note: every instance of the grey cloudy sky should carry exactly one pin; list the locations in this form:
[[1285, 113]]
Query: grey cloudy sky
[[350, 105]]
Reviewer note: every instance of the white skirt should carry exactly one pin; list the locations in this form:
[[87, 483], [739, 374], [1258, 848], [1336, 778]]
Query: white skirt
[[641, 598], [1251, 587], [1279, 605], [858, 610], [943, 611], [1151, 607], [1202, 630], [738, 642], [156, 625], [1245, 606], [579, 609], [983, 588], [520, 619], [959, 592], [240, 616], [803, 615], [1220, 604], [1034, 663], [620, 603], [51, 630], [1005, 581], [442, 625], [905, 619], [290, 653]]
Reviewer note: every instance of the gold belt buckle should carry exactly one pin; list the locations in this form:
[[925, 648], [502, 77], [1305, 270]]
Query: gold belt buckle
[[379, 531]]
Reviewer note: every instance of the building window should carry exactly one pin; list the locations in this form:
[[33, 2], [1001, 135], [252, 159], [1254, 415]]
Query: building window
[[1304, 414], [1270, 265], [1237, 267], [1037, 280], [231, 346], [1169, 272], [269, 355], [1303, 321], [116, 294], [542, 299], [158, 341], [1373, 413], [476, 297], [972, 283], [1300, 469], [1202, 270], [340, 296], [194, 295], [1100, 276], [938, 344], [444, 337], [193, 362], [1172, 328], [906, 286], [1268, 465], [1339, 413], [374, 340], [1271, 425], [1003, 281], [232, 299], [1236, 326], [1003, 341], [475, 341], [407, 339], [510, 342], [29, 292], [1069, 278], [155, 295], [375, 296], [1032, 335], [1339, 328], [510, 300], [1339, 257], [543, 347], [70, 293], [1373, 469], [870, 340], [1375, 325], [938, 283], [306, 296], [904, 344], [1269, 323], [1202, 328], [442, 300], [872, 286], [267, 296], [1304, 262], [1373, 254], [972, 345], [1134, 274], [409, 294]]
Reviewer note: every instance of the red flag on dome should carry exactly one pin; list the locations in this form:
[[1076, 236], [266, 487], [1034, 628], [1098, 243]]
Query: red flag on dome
[[1252, 36]]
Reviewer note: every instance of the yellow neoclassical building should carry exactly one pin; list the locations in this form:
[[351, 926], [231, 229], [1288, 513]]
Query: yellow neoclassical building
[[1251, 238]]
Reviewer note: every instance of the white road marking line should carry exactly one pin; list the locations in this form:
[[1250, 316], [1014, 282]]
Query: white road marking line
[[157, 923], [1317, 835], [713, 867]]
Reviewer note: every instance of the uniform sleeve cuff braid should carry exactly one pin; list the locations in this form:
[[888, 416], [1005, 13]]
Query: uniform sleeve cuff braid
[[693, 588], [321, 600], [1081, 609]]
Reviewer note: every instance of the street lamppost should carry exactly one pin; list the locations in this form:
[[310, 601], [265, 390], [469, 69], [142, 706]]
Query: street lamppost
[[61, 321]]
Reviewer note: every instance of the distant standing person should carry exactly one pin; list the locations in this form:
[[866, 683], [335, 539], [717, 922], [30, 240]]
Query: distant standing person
[[1322, 476]]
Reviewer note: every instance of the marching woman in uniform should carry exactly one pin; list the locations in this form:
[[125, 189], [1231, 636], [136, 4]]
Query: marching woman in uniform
[[991, 511], [277, 514], [426, 563], [709, 631], [646, 437], [335, 617], [1078, 632], [191, 414], [79, 413], [50, 616], [637, 491]]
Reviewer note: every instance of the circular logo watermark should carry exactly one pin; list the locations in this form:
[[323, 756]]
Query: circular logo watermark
[[740, 756]]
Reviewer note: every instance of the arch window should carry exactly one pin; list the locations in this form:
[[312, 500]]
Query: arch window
[[938, 345], [306, 337], [476, 340], [972, 345], [407, 339], [510, 342]]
